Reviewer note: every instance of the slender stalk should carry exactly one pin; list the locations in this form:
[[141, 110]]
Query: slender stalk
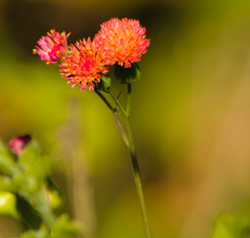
[[136, 169], [137, 178], [105, 101], [129, 95], [128, 139]]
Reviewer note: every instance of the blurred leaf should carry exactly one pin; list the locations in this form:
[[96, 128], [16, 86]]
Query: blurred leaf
[[65, 228], [7, 164], [8, 204], [54, 196], [34, 163], [6, 184], [41, 233], [30, 155], [229, 225]]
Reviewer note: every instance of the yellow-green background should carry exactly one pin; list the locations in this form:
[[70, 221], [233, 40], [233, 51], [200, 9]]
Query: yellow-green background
[[190, 114]]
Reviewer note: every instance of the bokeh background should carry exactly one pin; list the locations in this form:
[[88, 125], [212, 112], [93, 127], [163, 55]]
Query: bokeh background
[[190, 114]]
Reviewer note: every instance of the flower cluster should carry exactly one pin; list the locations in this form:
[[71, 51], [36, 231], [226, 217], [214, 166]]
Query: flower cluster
[[82, 64]]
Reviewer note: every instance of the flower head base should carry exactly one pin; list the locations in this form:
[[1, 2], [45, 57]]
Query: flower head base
[[52, 47], [18, 143], [123, 41], [84, 66]]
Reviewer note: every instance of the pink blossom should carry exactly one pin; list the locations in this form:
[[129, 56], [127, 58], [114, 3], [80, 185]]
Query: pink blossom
[[52, 47]]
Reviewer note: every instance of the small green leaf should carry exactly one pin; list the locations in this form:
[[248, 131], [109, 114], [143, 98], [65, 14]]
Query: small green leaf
[[41, 233], [230, 225], [104, 84], [7, 163], [7, 184], [65, 228], [30, 154], [34, 164]]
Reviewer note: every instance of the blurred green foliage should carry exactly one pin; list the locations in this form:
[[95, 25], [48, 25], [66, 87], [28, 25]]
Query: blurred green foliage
[[27, 177], [231, 226]]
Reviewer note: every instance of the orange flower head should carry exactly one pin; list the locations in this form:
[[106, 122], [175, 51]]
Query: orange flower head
[[84, 66], [123, 41]]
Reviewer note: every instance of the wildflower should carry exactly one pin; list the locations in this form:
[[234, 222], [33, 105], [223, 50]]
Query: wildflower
[[52, 47], [123, 41], [84, 66], [18, 143]]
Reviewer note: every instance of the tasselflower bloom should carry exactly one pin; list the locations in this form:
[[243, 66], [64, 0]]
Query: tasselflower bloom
[[123, 41], [84, 65], [53, 47]]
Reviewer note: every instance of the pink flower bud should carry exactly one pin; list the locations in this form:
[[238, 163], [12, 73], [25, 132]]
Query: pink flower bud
[[18, 143]]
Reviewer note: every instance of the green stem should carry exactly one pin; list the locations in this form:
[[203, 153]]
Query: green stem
[[136, 169], [105, 101], [137, 179], [128, 139], [129, 95]]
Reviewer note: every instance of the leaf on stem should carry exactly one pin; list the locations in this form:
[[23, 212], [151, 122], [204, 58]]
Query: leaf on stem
[[7, 163], [121, 129]]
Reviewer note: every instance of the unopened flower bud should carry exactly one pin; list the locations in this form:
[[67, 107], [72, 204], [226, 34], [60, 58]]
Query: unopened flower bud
[[127, 75], [18, 143]]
